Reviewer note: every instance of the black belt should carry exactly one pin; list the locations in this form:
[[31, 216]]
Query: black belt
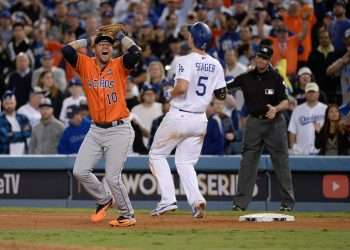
[[260, 117], [192, 112], [109, 124]]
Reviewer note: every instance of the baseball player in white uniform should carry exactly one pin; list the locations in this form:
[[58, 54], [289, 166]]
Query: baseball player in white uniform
[[197, 77]]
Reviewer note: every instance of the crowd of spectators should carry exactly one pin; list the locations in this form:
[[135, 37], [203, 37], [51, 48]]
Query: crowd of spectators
[[44, 110]]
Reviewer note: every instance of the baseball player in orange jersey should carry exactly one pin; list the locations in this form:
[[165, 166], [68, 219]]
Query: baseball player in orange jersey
[[110, 135]]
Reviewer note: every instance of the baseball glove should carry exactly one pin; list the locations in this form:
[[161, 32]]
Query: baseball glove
[[112, 29]]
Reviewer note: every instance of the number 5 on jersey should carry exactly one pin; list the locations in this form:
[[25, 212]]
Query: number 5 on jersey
[[201, 87]]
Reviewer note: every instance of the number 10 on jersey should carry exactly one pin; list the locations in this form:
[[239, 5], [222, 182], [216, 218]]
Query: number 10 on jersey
[[201, 85], [112, 98]]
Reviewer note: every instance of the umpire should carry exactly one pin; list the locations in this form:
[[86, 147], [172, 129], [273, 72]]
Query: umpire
[[265, 98]]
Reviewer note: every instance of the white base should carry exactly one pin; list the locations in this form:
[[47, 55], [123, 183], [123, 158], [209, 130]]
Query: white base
[[266, 217]]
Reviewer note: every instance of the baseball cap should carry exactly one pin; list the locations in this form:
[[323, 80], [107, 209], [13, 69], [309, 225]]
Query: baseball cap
[[304, 70], [75, 82], [148, 87], [102, 37], [7, 94], [45, 102], [264, 52], [276, 17], [37, 90], [199, 6], [329, 14], [72, 110], [73, 14], [107, 13], [83, 104], [147, 24], [103, 2], [340, 2], [46, 55], [311, 86], [5, 14]]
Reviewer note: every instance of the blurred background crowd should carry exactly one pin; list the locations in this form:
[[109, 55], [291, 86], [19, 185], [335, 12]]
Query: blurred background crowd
[[44, 110]]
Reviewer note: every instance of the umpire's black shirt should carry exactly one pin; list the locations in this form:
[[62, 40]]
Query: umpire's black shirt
[[260, 89]]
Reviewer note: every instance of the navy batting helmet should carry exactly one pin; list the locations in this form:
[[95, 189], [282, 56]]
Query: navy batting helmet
[[201, 35]]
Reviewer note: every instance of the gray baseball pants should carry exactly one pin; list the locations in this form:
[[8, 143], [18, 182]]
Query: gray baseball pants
[[113, 144], [273, 135]]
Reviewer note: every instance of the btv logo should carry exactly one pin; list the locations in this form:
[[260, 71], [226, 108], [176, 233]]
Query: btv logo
[[336, 186]]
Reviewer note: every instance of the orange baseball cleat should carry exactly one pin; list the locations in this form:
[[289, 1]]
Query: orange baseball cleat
[[123, 221], [101, 212]]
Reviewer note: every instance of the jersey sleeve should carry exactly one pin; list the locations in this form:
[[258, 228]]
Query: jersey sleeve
[[183, 70], [121, 68], [220, 78], [281, 89], [81, 63]]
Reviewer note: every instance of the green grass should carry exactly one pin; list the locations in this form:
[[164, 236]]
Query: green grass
[[186, 239]]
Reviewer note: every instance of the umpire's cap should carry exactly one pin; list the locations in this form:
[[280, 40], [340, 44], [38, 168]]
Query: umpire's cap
[[103, 38], [265, 52]]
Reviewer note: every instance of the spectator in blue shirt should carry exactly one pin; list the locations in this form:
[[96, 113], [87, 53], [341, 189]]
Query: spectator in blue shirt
[[14, 128], [230, 39], [339, 26], [345, 108], [220, 133], [74, 134]]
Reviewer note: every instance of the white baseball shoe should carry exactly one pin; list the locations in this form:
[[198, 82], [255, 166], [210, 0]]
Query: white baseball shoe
[[198, 210], [159, 210]]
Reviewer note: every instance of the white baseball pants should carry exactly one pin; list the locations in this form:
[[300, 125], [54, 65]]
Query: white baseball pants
[[186, 132]]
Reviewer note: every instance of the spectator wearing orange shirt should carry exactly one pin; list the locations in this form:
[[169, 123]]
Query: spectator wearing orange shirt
[[293, 19], [286, 46]]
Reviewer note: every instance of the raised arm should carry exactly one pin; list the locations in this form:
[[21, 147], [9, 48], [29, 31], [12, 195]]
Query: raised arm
[[69, 51], [335, 67], [133, 55]]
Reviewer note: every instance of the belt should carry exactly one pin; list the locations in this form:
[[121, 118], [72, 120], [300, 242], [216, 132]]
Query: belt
[[260, 117], [109, 124], [192, 112]]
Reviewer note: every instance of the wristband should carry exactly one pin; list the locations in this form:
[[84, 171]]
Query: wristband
[[119, 36], [167, 94], [83, 43]]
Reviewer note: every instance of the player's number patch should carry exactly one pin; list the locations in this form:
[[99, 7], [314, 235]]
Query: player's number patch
[[112, 98], [201, 87]]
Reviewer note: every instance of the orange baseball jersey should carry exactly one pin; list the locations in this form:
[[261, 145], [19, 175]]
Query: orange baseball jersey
[[105, 88]]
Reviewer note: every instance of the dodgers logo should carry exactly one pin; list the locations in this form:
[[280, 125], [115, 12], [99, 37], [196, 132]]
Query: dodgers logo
[[181, 68], [304, 120]]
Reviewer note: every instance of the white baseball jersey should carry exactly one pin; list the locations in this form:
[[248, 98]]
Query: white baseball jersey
[[204, 74], [302, 125], [185, 130]]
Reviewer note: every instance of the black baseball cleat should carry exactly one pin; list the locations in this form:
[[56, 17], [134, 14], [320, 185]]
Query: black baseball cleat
[[237, 208], [285, 208]]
